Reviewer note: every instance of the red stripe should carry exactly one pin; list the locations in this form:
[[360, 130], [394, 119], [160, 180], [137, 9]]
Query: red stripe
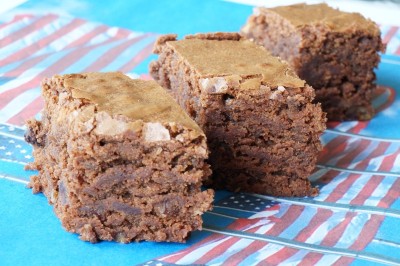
[[287, 219], [27, 64], [338, 145], [389, 101], [334, 235], [111, 54], [334, 147], [389, 35], [239, 224], [330, 240], [35, 47], [55, 68], [367, 234], [38, 24], [397, 52], [372, 226], [87, 37], [344, 186], [319, 218], [354, 150], [14, 20], [33, 108], [148, 50], [358, 127], [222, 247]]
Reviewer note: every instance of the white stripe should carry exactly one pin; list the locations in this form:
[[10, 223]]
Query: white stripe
[[34, 72], [361, 136], [33, 37], [396, 165], [201, 251], [13, 161], [15, 26], [11, 136], [290, 232], [16, 126], [394, 43], [349, 236], [390, 61], [63, 41], [326, 190], [364, 155], [353, 230], [376, 162], [128, 54], [380, 191], [346, 126], [18, 104], [239, 246], [14, 179], [354, 144], [356, 188], [8, 5], [317, 236], [263, 253]]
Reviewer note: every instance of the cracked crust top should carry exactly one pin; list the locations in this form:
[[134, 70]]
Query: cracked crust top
[[322, 14], [118, 94], [228, 54]]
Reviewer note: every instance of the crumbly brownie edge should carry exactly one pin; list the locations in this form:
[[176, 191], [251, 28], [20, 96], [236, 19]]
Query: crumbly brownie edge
[[344, 91], [173, 73], [60, 178]]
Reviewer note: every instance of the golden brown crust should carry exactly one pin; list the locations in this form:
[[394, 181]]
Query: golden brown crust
[[228, 54], [322, 14], [219, 36], [117, 94], [162, 40]]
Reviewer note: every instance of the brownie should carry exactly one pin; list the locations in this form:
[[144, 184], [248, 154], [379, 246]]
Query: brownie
[[334, 51], [119, 159], [262, 129]]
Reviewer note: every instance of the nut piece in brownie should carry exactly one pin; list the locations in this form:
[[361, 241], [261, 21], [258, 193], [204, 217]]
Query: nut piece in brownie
[[119, 159], [262, 129], [335, 52]]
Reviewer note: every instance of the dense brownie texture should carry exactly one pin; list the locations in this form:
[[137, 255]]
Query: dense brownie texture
[[262, 129], [119, 159], [334, 51]]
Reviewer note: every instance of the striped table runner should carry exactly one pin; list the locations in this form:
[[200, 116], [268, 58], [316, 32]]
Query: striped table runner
[[354, 218]]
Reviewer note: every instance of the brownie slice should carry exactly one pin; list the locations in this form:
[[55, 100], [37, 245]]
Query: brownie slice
[[119, 159], [262, 129], [335, 52]]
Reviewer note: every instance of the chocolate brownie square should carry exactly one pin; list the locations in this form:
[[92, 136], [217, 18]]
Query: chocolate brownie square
[[119, 159], [262, 129], [335, 52]]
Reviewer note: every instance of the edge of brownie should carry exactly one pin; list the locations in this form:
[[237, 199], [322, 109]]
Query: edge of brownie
[[113, 173], [244, 114], [334, 51]]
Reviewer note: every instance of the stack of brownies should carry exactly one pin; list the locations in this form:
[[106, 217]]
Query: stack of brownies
[[125, 159]]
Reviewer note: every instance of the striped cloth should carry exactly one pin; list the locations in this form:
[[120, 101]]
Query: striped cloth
[[34, 47], [354, 218]]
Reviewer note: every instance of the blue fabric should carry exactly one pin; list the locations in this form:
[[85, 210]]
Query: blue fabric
[[30, 233]]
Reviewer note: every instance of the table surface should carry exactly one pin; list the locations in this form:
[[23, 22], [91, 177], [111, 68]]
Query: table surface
[[354, 220]]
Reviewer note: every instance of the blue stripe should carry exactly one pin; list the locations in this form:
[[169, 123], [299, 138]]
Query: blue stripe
[[14, 169]]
